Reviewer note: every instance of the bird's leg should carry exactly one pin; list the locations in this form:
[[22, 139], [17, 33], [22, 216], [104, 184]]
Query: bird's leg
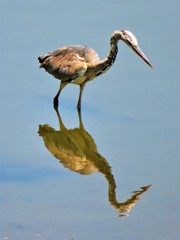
[[62, 85], [80, 96], [81, 126]]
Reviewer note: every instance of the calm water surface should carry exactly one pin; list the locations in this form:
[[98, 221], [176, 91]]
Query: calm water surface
[[111, 172]]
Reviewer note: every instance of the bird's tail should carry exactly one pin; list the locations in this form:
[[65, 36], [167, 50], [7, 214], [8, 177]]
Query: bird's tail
[[43, 58]]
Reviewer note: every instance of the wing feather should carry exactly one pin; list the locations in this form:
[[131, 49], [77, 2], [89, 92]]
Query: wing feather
[[68, 63]]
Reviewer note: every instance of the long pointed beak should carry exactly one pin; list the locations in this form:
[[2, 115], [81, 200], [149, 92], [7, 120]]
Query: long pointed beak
[[142, 55]]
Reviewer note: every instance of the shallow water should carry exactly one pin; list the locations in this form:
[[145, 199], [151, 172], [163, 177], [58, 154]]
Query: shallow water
[[113, 173]]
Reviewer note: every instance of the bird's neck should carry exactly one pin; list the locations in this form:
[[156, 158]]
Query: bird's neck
[[103, 65], [113, 49]]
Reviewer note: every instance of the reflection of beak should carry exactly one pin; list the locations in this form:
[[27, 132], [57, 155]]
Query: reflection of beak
[[141, 54]]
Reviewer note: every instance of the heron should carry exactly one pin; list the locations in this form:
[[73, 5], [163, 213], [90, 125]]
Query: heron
[[80, 64]]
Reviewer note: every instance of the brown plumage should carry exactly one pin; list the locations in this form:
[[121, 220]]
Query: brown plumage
[[80, 64]]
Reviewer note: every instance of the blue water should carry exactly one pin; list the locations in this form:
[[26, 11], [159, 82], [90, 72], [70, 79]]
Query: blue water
[[131, 124]]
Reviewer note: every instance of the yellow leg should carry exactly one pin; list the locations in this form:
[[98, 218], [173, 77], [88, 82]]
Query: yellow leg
[[80, 96], [62, 85]]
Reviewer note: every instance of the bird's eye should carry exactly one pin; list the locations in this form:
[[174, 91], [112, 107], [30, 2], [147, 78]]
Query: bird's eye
[[126, 35]]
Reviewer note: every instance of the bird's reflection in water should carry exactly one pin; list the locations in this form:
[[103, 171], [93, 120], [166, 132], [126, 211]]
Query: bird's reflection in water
[[77, 151]]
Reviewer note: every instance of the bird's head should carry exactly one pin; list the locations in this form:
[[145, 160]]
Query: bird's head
[[131, 41]]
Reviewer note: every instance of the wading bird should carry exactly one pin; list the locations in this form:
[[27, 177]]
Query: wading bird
[[80, 64]]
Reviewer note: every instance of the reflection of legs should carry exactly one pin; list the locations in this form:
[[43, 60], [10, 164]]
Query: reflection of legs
[[80, 96], [62, 85]]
